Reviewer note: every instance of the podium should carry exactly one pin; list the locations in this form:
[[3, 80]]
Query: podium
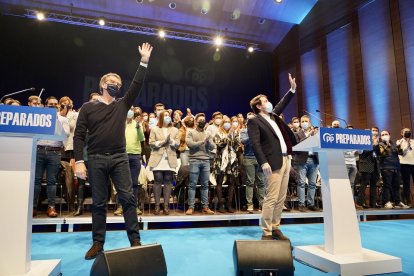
[[342, 252], [20, 129]]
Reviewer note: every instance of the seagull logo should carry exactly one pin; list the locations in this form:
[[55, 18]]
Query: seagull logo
[[329, 138]]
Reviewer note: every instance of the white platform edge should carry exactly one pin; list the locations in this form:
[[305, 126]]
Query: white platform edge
[[45, 267], [366, 262]]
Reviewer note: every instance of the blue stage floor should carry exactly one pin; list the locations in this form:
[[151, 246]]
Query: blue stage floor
[[208, 251]]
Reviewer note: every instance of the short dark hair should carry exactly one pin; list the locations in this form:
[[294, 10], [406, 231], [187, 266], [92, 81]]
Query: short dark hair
[[255, 101], [159, 104], [199, 115], [216, 113], [50, 98]]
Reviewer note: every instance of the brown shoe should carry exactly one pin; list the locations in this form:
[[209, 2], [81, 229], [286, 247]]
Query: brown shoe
[[94, 251], [267, 238], [278, 235], [189, 211], [207, 211], [51, 212], [358, 207], [135, 243]]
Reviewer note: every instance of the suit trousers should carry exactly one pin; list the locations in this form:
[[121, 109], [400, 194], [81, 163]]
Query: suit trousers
[[276, 189]]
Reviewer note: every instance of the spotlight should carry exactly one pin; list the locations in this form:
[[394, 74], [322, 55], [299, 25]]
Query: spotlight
[[218, 41], [101, 22], [161, 34], [261, 21], [217, 49], [204, 11], [172, 5], [140, 1], [278, 1], [250, 49], [40, 16]]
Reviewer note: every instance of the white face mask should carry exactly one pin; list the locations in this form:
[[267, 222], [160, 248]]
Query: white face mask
[[152, 121], [295, 125], [305, 125], [146, 118], [269, 107], [167, 120], [130, 114], [217, 122], [385, 138], [235, 124], [226, 126]]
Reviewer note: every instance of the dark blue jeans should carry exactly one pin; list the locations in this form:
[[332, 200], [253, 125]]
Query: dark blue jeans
[[199, 173], [49, 161], [116, 166], [135, 168]]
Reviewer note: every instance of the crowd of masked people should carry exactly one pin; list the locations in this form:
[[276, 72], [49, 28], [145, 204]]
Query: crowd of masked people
[[167, 147]]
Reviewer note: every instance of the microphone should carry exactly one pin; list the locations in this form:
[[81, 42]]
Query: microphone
[[333, 116], [314, 116], [41, 91], [17, 92]]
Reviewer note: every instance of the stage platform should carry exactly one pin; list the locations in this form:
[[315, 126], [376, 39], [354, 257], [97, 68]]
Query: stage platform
[[179, 216]]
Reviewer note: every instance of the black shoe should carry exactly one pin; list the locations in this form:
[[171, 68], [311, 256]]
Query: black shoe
[[302, 208], [278, 235], [267, 238], [231, 210], [135, 243], [157, 210], [313, 208], [94, 251], [365, 206], [166, 211]]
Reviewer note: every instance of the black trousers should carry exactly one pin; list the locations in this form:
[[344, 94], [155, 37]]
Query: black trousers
[[391, 186], [368, 179]]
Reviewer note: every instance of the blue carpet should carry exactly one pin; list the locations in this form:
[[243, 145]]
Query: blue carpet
[[208, 251]]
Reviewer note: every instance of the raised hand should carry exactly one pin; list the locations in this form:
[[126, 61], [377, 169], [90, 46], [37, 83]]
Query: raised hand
[[292, 82], [145, 52]]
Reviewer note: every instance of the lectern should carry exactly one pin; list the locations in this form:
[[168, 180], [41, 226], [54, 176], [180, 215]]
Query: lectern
[[342, 252], [20, 128]]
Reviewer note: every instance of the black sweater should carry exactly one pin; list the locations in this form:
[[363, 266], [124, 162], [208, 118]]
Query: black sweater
[[105, 124]]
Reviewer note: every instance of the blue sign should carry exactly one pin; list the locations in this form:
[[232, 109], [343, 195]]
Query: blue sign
[[25, 119], [340, 138]]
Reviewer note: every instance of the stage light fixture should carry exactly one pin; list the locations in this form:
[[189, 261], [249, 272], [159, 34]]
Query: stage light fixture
[[218, 41], [161, 33], [172, 5], [250, 49], [40, 16], [101, 22], [278, 1], [217, 49], [261, 21], [204, 11], [140, 1]]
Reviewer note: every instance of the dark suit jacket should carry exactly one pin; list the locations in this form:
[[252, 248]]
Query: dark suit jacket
[[266, 144], [301, 157]]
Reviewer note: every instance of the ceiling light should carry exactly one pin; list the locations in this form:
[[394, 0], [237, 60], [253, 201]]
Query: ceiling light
[[218, 41], [172, 5], [140, 1], [278, 1], [261, 21], [161, 34], [204, 11], [40, 16], [101, 22], [250, 49]]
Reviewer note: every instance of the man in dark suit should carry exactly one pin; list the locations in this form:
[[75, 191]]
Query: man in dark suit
[[272, 142]]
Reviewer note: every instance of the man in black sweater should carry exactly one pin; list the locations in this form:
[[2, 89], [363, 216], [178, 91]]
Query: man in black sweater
[[104, 121]]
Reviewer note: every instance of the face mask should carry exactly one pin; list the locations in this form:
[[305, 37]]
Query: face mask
[[295, 125], [407, 134], [201, 124], [305, 125], [375, 133], [146, 118], [235, 124], [226, 126], [167, 120], [190, 124], [335, 127], [113, 90], [158, 113], [385, 138], [269, 107], [54, 106], [130, 114], [217, 122], [152, 121]]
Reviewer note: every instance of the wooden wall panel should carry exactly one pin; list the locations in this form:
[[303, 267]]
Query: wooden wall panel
[[406, 13], [380, 80], [341, 72]]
